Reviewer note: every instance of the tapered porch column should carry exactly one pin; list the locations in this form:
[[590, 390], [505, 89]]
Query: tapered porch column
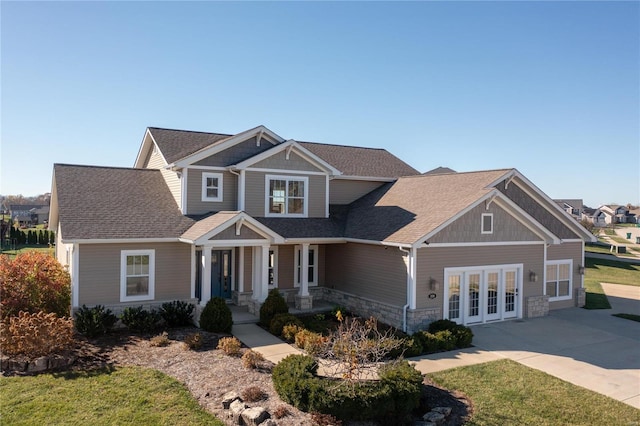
[[264, 273], [303, 299]]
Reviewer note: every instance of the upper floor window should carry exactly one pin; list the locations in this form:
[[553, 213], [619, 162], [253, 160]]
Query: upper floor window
[[211, 186], [487, 223], [286, 196]]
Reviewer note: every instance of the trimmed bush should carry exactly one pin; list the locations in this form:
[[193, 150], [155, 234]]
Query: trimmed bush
[[289, 332], [280, 320], [216, 316], [440, 325], [177, 313], [35, 334], [140, 320], [252, 359], [412, 347], [463, 335], [309, 341], [94, 321], [390, 399], [274, 304], [33, 282]]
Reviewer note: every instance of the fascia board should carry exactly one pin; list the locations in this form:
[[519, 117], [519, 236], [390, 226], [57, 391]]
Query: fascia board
[[146, 147], [365, 178], [222, 145], [119, 240]]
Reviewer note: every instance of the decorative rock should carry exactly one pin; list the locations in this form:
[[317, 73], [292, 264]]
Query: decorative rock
[[228, 398], [434, 417], [38, 365], [444, 410], [236, 408], [254, 416], [269, 422]]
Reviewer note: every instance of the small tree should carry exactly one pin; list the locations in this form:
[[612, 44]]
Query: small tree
[[32, 282], [588, 225], [52, 237]]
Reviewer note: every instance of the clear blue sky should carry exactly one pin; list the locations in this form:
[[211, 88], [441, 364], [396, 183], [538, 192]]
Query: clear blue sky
[[550, 88]]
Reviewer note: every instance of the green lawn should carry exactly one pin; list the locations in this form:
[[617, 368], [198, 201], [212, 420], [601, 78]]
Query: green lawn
[[42, 248], [607, 271], [507, 393], [129, 395]]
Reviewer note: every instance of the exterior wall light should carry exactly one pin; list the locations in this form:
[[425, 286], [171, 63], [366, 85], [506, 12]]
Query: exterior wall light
[[533, 277], [432, 283], [581, 269]]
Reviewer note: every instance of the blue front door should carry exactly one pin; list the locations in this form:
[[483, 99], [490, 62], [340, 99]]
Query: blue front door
[[221, 273]]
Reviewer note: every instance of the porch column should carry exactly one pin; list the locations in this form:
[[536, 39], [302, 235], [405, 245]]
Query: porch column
[[240, 269], [206, 278], [304, 272], [303, 300], [264, 273]]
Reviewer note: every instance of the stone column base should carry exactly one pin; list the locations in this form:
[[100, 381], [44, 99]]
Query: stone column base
[[537, 306], [253, 306], [581, 297], [304, 303]]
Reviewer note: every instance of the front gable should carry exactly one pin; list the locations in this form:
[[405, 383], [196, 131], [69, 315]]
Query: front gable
[[282, 161], [238, 152]]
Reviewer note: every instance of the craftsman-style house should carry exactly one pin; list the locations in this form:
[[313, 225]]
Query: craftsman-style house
[[205, 214]]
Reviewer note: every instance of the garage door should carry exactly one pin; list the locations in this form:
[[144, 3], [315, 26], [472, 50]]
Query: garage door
[[482, 293]]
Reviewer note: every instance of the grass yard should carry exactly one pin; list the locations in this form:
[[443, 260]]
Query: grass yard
[[129, 395], [507, 393], [42, 248], [607, 271]]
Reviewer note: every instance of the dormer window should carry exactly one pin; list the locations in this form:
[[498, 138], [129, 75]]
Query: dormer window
[[211, 186], [286, 196], [487, 223]]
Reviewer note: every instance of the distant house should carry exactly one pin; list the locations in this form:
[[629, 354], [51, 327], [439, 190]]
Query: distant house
[[617, 214], [209, 214], [595, 216], [29, 214], [573, 207]]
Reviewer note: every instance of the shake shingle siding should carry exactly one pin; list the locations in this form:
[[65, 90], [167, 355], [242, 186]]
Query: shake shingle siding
[[177, 144], [236, 153]]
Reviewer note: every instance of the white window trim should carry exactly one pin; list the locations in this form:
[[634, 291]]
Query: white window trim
[[559, 262], [484, 231], [313, 281], [274, 249], [205, 176], [286, 178], [123, 275]]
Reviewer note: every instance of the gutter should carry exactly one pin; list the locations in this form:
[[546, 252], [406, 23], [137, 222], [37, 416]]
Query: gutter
[[406, 306]]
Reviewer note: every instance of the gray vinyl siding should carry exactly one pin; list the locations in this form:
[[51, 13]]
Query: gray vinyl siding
[[246, 233], [468, 228], [347, 191], [279, 161], [255, 193], [368, 271], [565, 251], [155, 161], [432, 262], [99, 271], [536, 209], [195, 205], [237, 153]]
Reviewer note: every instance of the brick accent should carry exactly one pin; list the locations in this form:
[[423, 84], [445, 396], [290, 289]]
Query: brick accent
[[537, 306]]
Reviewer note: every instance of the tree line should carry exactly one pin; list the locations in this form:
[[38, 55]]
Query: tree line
[[32, 237]]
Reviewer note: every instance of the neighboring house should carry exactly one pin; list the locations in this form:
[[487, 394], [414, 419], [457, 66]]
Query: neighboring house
[[595, 216], [206, 214], [29, 214], [573, 207], [616, 214]]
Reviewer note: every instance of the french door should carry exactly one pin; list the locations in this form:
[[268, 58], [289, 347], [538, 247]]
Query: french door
[[476, 295]]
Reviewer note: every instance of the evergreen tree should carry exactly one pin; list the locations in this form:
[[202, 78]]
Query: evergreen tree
[[41, 237], [52, 237]]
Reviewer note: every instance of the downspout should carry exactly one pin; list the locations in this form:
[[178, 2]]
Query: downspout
[[239, 189], [406, 306]]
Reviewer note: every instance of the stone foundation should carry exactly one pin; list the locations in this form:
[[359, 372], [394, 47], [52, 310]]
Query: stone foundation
[[581, 297], [537, 306], [304, 303], [419, 319]]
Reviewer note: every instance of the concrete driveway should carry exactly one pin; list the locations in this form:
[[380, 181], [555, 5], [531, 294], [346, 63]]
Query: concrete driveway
[[589, 348]]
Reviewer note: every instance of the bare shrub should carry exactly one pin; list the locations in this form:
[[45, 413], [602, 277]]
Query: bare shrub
[[230, 346], [289, 332], [252, 359], [160, 340], [35, 334], [320, 419], [193, 341], [281, 411], [253, 394]]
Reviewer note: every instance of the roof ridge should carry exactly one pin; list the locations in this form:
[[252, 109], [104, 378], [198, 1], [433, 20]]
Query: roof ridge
[[459, 173], [104, 167], [344, 146], [189, 131]]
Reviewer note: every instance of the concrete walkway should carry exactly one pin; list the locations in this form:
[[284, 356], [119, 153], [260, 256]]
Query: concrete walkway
[[589, 348]]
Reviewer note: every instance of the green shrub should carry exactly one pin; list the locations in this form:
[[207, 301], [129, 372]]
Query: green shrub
[[443, 340], [463, 336], [274, 304], [440, 325], [139, 319], [216, 316], [390, 399], [177, 313], [412, 347], [280, 320], [94, 321]]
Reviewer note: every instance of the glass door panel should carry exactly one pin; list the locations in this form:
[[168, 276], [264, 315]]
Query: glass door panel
[[454, 298], [510, 293], [492, 311], [473, 297]]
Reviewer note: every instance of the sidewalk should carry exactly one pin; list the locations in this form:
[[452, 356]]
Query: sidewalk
[[263, 342]]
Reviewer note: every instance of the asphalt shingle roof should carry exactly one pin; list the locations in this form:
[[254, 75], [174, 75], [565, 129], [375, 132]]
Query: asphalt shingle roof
[[359, 161], [206, 224], [406, 210], [177, 144], [304, 227], [116, 203]]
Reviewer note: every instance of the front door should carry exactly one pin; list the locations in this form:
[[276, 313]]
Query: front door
[[221, 273]]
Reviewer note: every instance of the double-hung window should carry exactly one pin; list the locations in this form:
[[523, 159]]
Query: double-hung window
[[312, 268], [137, 275], [211, 186], [286, 196], [558, 280]]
